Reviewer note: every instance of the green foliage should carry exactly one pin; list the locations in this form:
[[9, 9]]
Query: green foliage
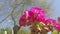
[[1, 31], [23, 31], [55, 32], [9, 31]]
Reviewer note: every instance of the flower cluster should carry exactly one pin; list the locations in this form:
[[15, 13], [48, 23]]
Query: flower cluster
[[32, 15], [37, 19]]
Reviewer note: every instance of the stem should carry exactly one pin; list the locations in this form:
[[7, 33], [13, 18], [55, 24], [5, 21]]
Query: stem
[[16, 28]]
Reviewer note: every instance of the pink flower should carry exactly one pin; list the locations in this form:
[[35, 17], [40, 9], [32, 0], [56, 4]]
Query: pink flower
[[32, 15], [57, 26], [41, 19], [51, 21], [38, 11], [22, 21], [37, 14], [23, 18], [58, 18]]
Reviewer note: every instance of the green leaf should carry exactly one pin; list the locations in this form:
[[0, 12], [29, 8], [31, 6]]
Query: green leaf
[[55, 32]]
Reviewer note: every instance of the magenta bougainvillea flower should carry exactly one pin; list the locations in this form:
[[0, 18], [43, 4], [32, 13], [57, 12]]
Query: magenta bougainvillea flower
[[38, 11], [58, 18], [51, 21], [32, 15], [22, 20], [57, 26]]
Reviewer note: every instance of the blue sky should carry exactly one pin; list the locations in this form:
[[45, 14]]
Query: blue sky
[[56, 11], [56, 7]]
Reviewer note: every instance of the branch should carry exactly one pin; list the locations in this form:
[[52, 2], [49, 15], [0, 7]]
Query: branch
[[22, 8], [9, 14], [5, 18], [13, 11]]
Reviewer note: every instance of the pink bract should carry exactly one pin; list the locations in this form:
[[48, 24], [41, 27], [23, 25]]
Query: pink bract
[[32, 15], [38, 10], [51, 21], [57, 26], [59, 18]]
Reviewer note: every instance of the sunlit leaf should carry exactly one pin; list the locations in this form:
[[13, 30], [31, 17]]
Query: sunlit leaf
[[55, 32]]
